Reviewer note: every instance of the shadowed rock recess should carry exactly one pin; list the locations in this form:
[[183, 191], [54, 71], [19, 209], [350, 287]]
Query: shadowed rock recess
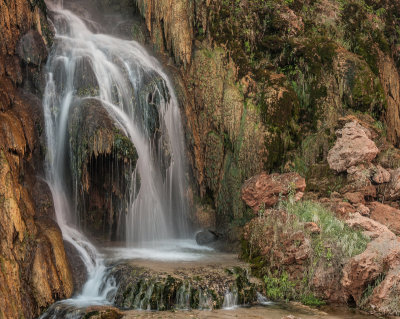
[[291, 116]]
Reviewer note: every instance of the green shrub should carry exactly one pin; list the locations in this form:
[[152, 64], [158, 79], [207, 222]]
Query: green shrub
[[279, 287], [310, 300]]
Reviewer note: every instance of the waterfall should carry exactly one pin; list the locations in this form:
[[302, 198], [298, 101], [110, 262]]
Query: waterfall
[[157, 211]]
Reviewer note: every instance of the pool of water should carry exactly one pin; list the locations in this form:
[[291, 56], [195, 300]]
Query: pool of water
[[271, 311]]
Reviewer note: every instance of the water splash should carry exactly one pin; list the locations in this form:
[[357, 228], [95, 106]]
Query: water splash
[[262, 300]]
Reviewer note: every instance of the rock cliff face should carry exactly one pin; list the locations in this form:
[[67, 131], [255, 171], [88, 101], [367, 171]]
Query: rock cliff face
[[170, 25], [34, 271]]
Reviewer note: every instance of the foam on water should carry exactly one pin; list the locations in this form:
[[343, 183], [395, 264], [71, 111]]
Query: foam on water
[[168, 250]]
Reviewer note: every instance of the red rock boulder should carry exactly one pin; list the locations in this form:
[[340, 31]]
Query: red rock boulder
[[352, 147], [381, 175], [372, 279], [386, 215], [264, 189]]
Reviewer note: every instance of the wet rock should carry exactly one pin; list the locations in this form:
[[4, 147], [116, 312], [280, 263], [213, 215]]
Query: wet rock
[[34, 271], [386, 215], [66, 310], [390, 80], [102, 312], [196, 286], [359, 88], [381, 175], [266, 190], [78, 268], [278, 100], [51, 274], [85, 80], [170, 27], [352, 147], [32, 49], [205, 237], [133, 30], [205, 217], [93, 132], [43, 199]]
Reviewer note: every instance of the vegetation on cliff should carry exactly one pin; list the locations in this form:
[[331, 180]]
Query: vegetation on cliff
[[293, 248]]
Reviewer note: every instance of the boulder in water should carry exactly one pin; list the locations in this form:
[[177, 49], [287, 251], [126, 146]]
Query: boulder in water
[[205, 237]]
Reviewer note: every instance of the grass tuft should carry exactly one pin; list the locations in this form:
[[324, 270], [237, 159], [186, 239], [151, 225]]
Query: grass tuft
[[334, 232]]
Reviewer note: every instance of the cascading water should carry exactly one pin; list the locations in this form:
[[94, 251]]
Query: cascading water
[[230, 299], [155, 212]]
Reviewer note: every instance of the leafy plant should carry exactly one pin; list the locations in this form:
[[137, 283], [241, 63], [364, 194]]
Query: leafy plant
[[279, 287]]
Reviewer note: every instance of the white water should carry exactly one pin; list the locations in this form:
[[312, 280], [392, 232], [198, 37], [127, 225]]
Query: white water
[[158, 212], [230, 300], [168, 250], [262, 300]]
